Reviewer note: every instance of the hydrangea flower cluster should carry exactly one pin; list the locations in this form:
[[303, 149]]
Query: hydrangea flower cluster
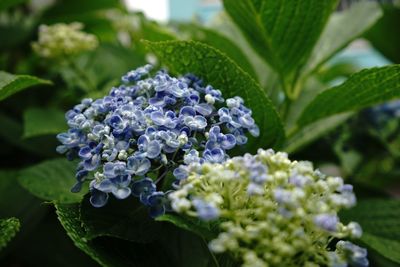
[[147, 129], [383, 122], [272, 211], [382, 114], [61, 40]]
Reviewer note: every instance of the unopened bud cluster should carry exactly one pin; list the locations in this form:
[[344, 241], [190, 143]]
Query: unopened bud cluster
[[62, 40], [272, 211]]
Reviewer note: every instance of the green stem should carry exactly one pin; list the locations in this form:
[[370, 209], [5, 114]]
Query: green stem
[[82, 75], [297, 89], [292, 131], [286, 108], [212, 254]]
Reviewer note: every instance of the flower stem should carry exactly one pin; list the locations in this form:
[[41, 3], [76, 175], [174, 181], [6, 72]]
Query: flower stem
[[82, 75], [216, 263]]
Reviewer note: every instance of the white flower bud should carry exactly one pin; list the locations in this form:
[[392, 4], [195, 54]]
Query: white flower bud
[[181, 205], [209, 99], [122, 155], [354, 229]]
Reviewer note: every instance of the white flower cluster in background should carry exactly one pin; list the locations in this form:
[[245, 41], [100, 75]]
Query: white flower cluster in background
[[272, 211], [62, 40]]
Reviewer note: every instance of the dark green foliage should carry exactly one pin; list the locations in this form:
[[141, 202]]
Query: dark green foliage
[[286, 81], [51, 180], [380, 220], [8, 229], [363, 89], [385, 35]]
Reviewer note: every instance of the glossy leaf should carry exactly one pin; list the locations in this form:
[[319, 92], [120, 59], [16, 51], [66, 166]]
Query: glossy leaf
[[380, 221], [194, 225], [342, 28], [222, 73], [379, 217], [153, 31], [313, 131], [11, 84], [51, 180], [8, 229], [282, 32], [170, 248], [224, 25], [365, 88], [388, 248], [68, 215], [220, 42], [129, 220], [126, 219], [39, 121]]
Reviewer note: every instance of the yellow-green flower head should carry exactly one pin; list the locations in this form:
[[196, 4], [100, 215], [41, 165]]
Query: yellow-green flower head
[[272, 211], [63, 40]]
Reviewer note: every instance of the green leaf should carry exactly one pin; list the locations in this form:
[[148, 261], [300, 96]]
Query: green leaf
[[380, 221], [51, 180], [8, 229], [126, 219], [365, 88], [24, 206], [11, 132], [313, 131], [224, 25], [4, 4], [152, 31], [40, 121], [194, 225], [282, 32], [221, 43], [99, 78], [129, 220], [121, 58], [17, 202], [11, 84], [114, 252], [386, 247], [300, 137], [50, 232], [385, 35], [191, 250], [68, 215], [90, 13], [222, 73], [378, 217], [342, 28]]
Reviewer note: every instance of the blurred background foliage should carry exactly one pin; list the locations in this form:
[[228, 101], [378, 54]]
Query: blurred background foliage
[[363, 147]]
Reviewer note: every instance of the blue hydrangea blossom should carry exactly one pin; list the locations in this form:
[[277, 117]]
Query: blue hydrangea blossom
[[147, 128]]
